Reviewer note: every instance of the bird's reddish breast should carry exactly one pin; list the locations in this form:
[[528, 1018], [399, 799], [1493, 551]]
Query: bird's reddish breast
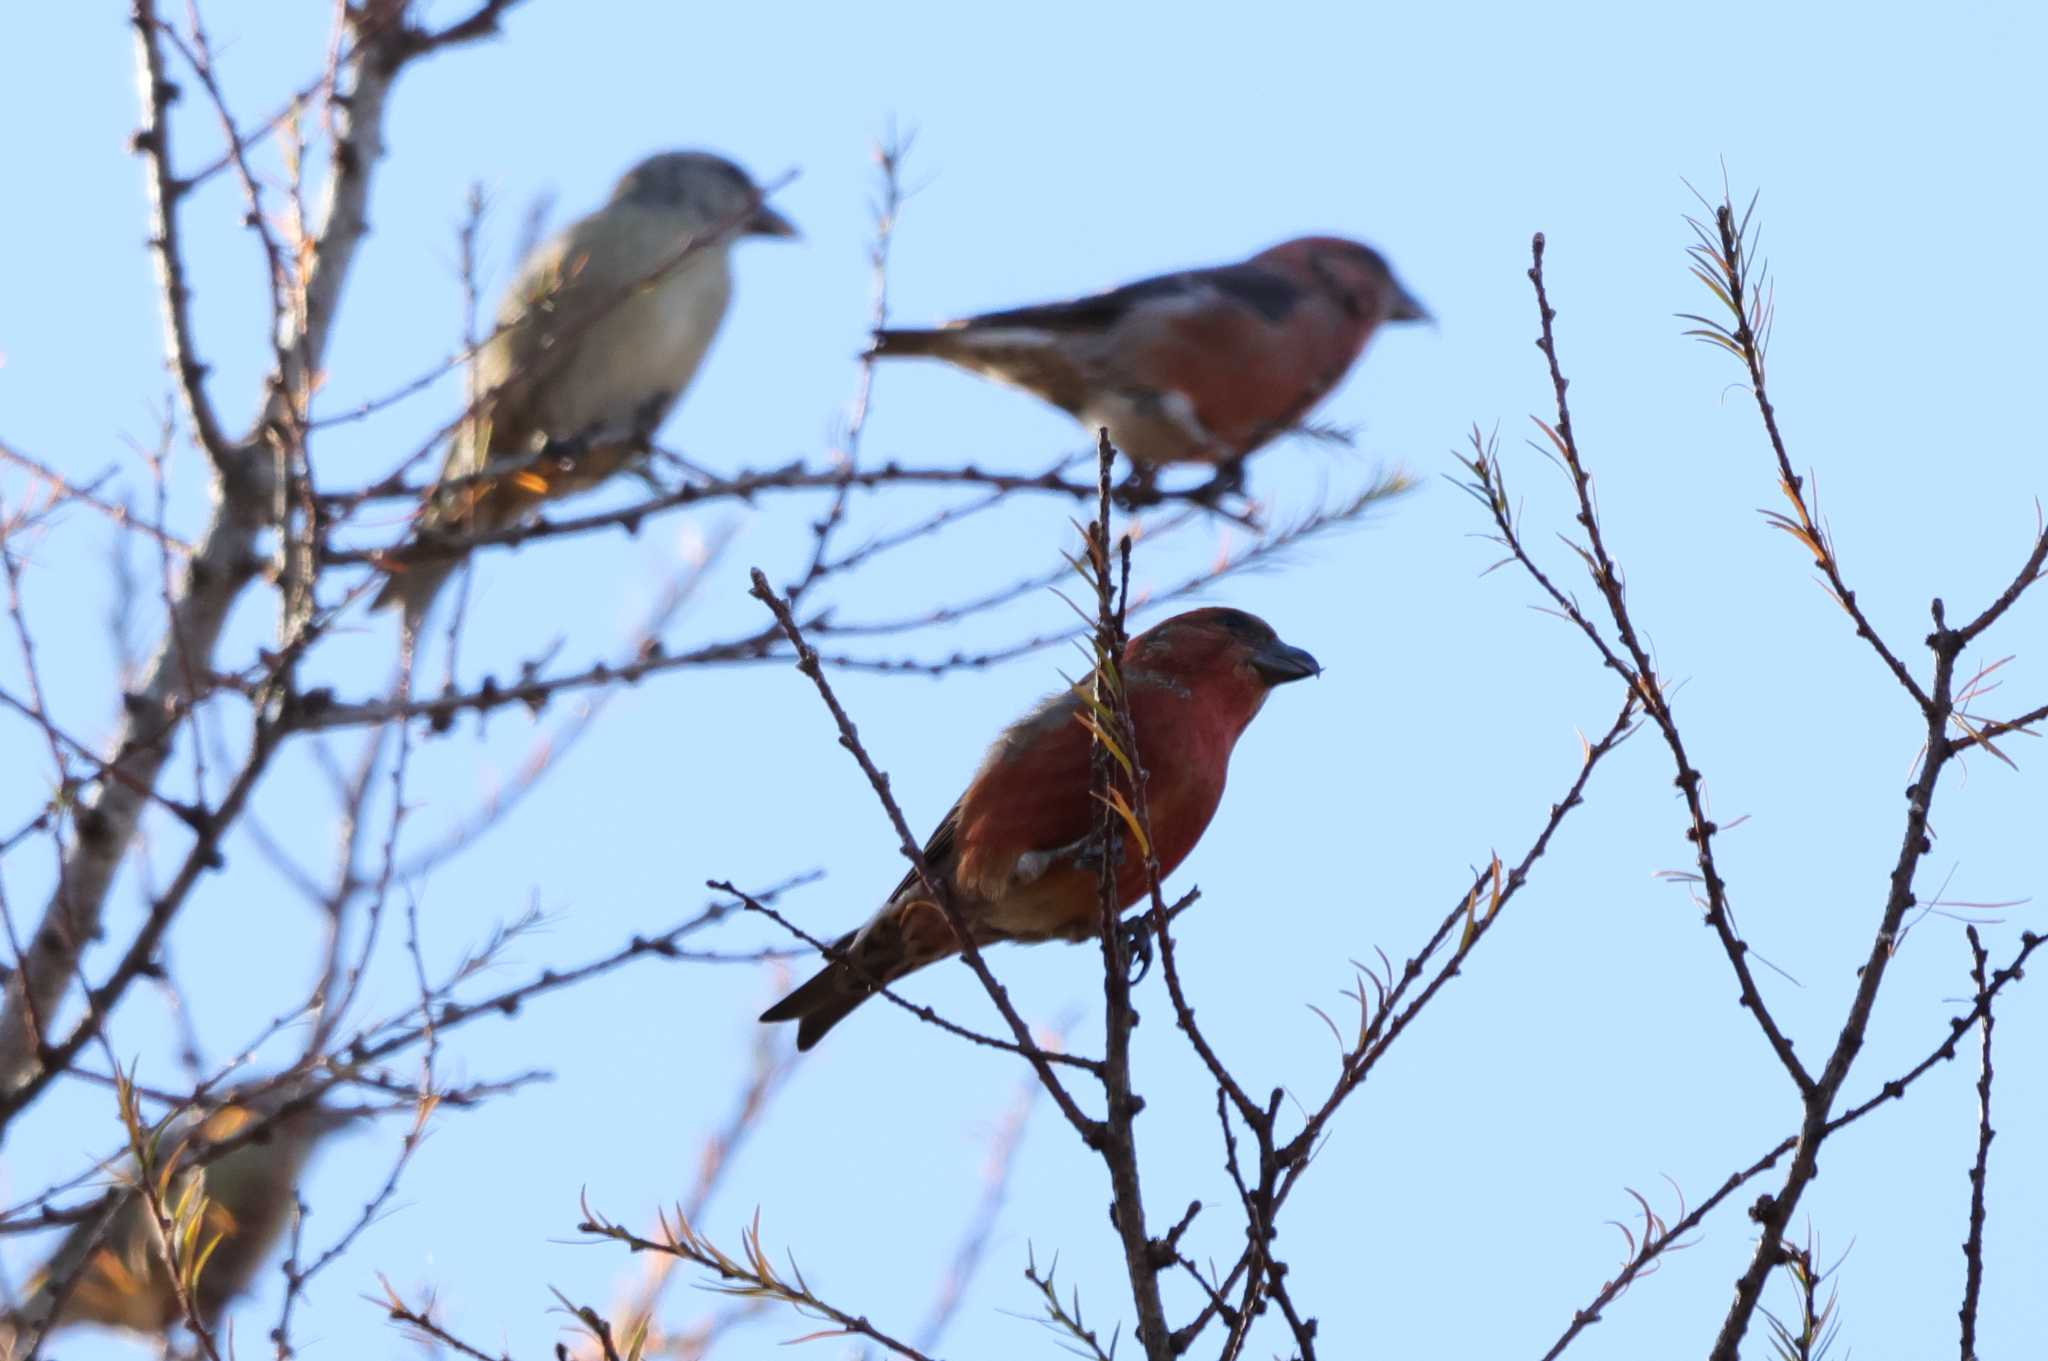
[[1033, 793], [1186, 731], [1248, 376]]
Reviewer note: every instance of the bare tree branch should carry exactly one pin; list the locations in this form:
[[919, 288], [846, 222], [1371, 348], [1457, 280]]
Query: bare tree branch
[[153, 141], [1641, 673], [1110, 704], [225, 557], [1723, 261], [1973, 1244], [913, 850], [751, 1274]]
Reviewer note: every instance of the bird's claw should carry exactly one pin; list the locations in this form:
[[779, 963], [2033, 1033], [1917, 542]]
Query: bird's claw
[[1137, 941], [1138, 491], [1087, 853]]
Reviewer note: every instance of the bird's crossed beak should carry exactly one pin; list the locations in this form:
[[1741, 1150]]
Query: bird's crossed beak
[[767, 222], [1278, 663], [1405, 307]]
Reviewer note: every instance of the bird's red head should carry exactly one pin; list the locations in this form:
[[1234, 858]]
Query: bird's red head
[[1356, 275], [1231, 657]]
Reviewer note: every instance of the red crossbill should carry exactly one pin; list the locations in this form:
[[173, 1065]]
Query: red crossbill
[[1020, 852], [1203, 366], [596, 339]]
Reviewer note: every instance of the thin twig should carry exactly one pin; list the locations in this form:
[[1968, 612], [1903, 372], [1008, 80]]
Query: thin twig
[[225, 556], [751, 1274], [1110, 704], [153, 141], [889, 994], [1641, 673], [69, 491], [889, 154], [934, 885], [1727, 271], [1973, 1244]]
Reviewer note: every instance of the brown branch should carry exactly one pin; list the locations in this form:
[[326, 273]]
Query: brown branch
[[1110, 704], [1895, 1089], [153, 141], [743, 486], [1304, 1329], [421, 1321], [317, 710], [773, 1061], [1227, 1084], [1655, 1245], [198, 54], [1492, 888], [1283, 1165], [36, 710], [225, 557], [47, 1061], [752, 1274], [807, 662], [66, 490], [889, 154], [2034, 569], [551, 747], [1066, 1317], [1938, 703], [382, 1041], [931, 524], [1643, 674], [1254, 1263], [1773, 1213], [297, 1276], [1983, 735], [372, 1210], [1726, 271], [1973, 1244], [888, 994], [62, 742]]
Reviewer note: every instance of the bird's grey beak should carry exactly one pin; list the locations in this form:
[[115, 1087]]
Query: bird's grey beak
[[1405, 307], [1277, 663], [767, 222]]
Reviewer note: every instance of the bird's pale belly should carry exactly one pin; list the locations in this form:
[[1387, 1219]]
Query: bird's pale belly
[[633, 365], [1153, 428]]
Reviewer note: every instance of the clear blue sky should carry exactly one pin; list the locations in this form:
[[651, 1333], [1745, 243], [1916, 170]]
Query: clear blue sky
[[1593, 1045]]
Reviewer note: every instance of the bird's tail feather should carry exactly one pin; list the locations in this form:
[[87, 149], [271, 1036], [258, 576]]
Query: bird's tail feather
[[825, 999], [912, 344]]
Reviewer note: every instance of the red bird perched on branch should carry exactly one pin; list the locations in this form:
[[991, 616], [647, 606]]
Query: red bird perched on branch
[[1204, 366], [1020, 852]]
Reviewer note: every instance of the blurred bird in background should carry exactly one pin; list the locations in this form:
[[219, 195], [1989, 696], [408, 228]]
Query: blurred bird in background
[[1203, 366], [118, 1278], [598, 336], [1020, 852]]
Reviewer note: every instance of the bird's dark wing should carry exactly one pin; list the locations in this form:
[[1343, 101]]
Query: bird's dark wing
[[1244, 285], [938, 852]]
